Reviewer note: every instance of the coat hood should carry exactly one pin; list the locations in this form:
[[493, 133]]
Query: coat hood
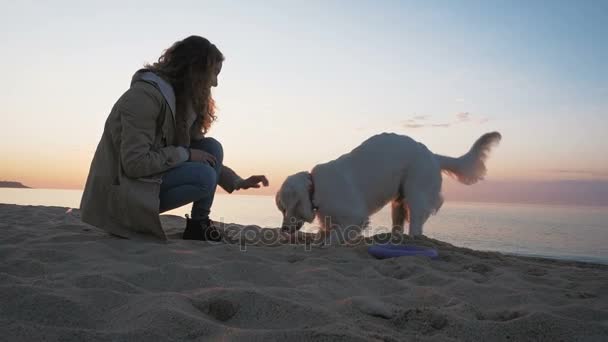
[[165, 88]]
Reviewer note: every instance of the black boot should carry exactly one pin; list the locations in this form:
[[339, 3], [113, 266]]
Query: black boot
[[201, 230]]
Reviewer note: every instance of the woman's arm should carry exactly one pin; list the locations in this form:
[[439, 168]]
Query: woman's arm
[[139, 109], [230, 181]]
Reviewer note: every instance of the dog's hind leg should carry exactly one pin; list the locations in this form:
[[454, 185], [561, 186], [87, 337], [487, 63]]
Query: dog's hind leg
[[398, 215]]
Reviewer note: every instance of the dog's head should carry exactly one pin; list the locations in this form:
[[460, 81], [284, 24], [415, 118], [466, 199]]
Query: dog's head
[[293, 200]]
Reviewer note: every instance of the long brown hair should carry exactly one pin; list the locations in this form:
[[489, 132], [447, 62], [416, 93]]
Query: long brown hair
[[188, 66]]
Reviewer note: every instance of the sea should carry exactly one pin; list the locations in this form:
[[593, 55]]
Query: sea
[[561, 232]]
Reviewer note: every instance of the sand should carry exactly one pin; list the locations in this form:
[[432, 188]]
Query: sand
[[63, 280]]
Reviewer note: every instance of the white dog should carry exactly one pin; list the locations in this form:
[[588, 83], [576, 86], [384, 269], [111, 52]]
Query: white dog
[[393, 168]]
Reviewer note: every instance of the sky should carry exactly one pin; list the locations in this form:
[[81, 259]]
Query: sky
[[306, 81]]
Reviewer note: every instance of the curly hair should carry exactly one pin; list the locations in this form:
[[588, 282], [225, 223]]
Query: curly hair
[[188, 66]]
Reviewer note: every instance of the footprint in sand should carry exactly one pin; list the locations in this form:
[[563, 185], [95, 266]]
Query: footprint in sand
[[399, 272], [581, 295], [426, 320], [482, 269], [538, 272], [101, 281], [221, 309], [374, 307], [293, 258], [501, 316], [260, 310]]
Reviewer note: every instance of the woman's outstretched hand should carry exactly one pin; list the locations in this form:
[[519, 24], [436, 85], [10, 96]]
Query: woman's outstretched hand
[[252, 182]]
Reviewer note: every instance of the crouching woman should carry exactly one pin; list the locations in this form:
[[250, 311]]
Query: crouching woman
[[153, 155]]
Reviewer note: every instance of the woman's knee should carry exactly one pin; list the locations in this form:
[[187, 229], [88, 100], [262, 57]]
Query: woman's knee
[[206, 177], [215, 147], [210, 145]]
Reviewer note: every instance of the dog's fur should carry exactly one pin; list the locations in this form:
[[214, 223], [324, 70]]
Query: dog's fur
[[393, 168]]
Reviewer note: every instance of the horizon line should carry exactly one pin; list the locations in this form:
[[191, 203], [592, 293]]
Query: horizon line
[[463, 201]]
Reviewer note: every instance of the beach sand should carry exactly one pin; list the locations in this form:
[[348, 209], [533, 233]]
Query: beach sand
[[63, 280]]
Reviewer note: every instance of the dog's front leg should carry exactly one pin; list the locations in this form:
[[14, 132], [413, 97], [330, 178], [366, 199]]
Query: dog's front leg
[[352, 234]]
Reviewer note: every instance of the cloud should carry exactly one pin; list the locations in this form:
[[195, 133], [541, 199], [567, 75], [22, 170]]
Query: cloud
[[463, 116], [460, 100], [421, 121], [579, 172]]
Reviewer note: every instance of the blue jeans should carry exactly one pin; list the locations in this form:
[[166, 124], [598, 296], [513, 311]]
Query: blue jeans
[[193, 182]]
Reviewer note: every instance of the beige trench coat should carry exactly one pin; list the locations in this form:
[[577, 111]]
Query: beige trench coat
[[121, 194]]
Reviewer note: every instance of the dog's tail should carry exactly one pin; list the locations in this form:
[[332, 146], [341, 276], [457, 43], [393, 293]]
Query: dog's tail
[[470, 168]]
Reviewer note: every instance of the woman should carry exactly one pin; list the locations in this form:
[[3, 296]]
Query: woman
[[153, 155]]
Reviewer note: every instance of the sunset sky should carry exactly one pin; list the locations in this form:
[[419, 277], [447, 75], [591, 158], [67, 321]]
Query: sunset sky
[[306, 81]]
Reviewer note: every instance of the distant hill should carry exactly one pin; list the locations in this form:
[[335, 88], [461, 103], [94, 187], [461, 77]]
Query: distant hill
[[7, 184]]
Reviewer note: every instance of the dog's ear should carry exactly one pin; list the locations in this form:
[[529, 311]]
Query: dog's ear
[[304, 207], [293, 199], [286, 196]]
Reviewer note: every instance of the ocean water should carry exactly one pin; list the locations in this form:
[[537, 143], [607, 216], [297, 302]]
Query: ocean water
[[562, 232]]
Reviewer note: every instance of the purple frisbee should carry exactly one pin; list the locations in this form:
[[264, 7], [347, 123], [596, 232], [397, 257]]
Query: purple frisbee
[[393, 251]]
